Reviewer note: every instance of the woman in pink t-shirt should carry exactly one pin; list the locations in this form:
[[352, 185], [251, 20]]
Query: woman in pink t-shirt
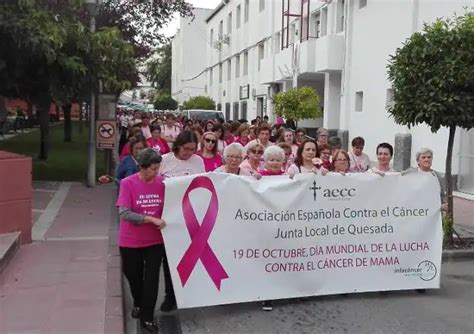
[[140, 204], [180, 161], [243, 135], [156, 142], [273, 158], [253, 163], [307, 160], [208, 153]]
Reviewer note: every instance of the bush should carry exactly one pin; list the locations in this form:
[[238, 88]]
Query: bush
[[200, 102], [165, 102], [298, 103]]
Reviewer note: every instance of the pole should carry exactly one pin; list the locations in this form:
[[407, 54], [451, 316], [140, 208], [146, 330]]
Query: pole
[[91, 167]]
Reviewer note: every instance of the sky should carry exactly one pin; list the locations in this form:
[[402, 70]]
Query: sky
[[170, 30]]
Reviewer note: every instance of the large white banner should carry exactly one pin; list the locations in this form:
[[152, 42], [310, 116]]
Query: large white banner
[[233, 239]]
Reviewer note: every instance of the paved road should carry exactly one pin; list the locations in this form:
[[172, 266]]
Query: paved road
[[448, 310]]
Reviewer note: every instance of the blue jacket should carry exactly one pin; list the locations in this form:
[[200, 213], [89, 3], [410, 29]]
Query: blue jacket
[[126, 167]]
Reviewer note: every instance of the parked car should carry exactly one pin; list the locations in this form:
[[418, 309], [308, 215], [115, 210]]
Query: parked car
[[201, 114]]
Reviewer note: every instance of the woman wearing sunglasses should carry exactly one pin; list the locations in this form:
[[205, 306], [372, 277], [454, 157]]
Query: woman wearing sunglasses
[[253, 164], [233, 155], [208, 153]]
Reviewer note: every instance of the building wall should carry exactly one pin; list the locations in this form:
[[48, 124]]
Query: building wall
[[348, 60], [376, 31], [189, 51]]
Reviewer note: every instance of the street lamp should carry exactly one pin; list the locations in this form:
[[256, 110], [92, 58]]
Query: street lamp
[[92, 7]]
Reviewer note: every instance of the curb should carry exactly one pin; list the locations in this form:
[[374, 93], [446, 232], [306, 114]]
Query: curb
[[457, 255]]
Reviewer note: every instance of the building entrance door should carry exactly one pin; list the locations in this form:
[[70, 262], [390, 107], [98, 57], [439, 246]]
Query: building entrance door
[[466, 162], [260, 106]]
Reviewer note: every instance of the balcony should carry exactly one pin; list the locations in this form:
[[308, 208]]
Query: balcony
[[323, 54]]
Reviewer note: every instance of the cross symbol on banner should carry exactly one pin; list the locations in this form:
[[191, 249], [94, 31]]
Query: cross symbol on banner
[[314, 188]]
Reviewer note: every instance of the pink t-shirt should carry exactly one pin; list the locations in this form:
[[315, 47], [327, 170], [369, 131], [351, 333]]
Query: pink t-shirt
[[160, 145], [229, 140], [247, 169], [146, 199], [125, 151], [266, 172], [242, 141], [171, 166], [210, 164]]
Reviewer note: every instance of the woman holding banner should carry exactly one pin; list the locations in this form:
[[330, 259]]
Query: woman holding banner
[[253, 164], [273, 158], [340, 162], [180, 162], [384, 153], [140, 204], [233, 155], [307, 160]]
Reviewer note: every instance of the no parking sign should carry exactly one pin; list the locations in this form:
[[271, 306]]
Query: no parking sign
[[106, 134]]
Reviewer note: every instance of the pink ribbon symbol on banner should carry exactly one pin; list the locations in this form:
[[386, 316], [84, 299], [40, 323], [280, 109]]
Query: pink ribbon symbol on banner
[[199, 248]]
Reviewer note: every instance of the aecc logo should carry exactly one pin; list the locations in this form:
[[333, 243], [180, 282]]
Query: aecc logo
[[335, 194]]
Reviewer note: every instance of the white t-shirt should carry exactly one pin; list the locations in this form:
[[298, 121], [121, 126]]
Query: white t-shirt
[[146, 131], [170, 133], [171, 166], [359, 164]]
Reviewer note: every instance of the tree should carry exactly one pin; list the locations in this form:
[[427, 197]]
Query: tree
[[159, 70], [200, 102], [297, 103], [433, 80], [140, 21], [165, 102]]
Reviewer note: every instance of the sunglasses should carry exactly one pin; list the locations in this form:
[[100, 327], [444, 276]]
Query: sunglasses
[[210, 140], [256, 151]]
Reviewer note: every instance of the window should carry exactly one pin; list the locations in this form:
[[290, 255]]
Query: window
[[317, 25], [389, 99], [324, 21], [340, 16], [227, 111], [211, 37], [237, 66], [261, 5], [362, 3], [237, 18], [246, 11], [246, 63], [220, 73], [229, 69], [359, 101], [261, 54], [291, 39], [221, 29], [243, 108], [211, 73], [276, 42], [229, 23], [236, 111]]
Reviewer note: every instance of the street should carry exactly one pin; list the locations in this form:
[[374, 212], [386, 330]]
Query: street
[[448, 310]]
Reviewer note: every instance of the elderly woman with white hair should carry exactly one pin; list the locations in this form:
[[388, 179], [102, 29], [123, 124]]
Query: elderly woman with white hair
[[273, 157], [424, 159], [233, 155]]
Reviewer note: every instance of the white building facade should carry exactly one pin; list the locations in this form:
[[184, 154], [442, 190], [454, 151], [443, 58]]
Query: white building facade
[[189, 49], [341, 48]]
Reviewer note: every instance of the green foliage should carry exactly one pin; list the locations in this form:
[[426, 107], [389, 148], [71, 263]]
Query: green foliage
[[66, 161], [159, 70], [200, 102], [297, 103], [165, 102], [433, 75], [448, 229]]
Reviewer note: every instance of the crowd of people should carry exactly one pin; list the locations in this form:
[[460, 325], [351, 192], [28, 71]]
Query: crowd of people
[[154, 147]]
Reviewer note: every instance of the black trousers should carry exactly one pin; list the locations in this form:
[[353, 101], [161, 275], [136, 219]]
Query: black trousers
[[169, 291], [141, 267]]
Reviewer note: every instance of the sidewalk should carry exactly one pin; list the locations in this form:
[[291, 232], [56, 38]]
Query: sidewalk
[[68, 280]]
